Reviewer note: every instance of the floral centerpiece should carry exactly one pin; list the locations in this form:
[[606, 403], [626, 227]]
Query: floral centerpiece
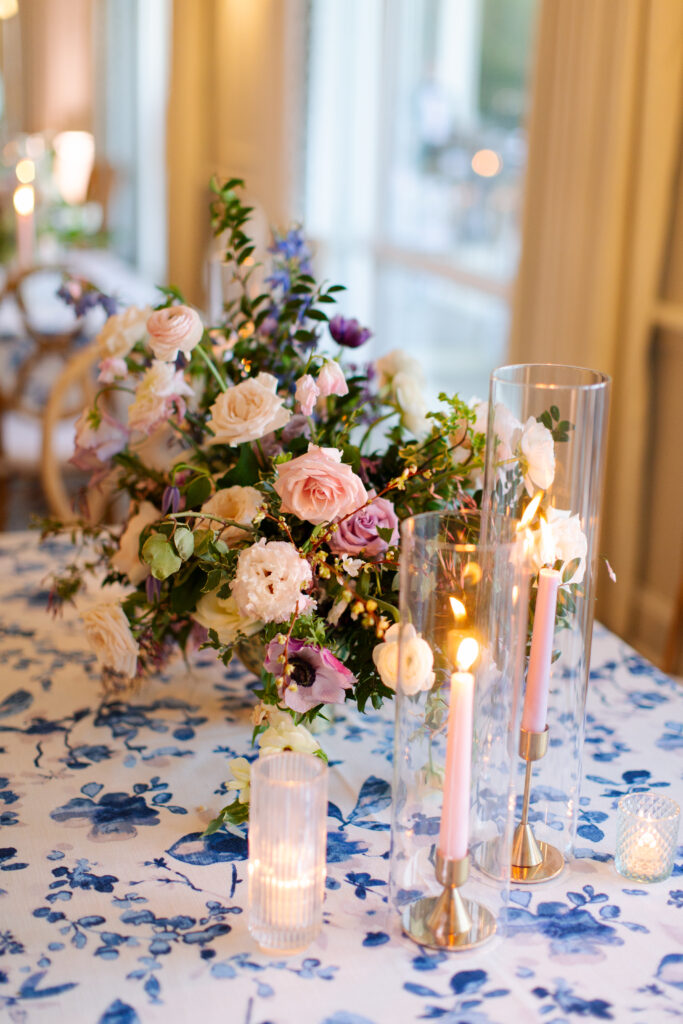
[[267, 478]]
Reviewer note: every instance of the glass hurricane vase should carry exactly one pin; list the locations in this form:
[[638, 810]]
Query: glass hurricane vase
[[545, 459]]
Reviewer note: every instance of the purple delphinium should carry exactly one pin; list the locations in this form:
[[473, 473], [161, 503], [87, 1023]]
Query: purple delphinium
[[293, 246], [358, 533], [348, 332], [320, 678]]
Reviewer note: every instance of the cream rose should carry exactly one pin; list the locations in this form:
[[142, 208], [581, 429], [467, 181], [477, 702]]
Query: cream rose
[[109, 635], [538, 450], [122, 332], [397, 361], [415, 671], [318, 487], [247, 411], [283, 734], [126, 559], [407, 392], [222, 615], [238, 503], [174, 329]]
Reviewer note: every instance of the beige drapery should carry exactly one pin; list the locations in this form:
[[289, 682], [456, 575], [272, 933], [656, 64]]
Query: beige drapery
[[605, 133], [235, 109]]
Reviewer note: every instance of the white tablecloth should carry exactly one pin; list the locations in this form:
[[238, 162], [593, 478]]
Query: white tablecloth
[[114, 910]]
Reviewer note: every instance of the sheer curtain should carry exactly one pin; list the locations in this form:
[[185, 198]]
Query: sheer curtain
[[604, 148]]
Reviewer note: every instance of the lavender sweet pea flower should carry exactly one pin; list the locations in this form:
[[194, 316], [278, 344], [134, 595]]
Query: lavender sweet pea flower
[[348, 332], [358, 534], [319, 677]]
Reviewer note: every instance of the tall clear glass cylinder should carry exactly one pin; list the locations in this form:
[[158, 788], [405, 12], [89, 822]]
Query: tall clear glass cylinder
[[545, 459], [459, 666]]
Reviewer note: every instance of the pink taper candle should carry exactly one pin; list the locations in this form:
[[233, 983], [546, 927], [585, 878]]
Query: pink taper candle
[[535, 714], [455, 816]]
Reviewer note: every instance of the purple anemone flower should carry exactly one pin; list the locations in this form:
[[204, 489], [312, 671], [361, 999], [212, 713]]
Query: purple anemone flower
[[320, 677], [348, 332]]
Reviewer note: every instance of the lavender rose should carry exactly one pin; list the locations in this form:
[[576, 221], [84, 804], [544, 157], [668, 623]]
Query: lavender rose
[[317, 677], [359, 533]]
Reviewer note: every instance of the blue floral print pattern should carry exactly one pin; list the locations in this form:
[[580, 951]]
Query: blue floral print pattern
[[115, 909]]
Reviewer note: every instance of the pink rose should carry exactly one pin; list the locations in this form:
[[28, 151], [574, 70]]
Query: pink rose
[[331, 380], [318, 487], [98, 437], [306, 393], [172, 329]]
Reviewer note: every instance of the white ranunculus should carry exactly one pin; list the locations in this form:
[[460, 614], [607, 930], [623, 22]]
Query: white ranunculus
[[407, 392], [126, 559], [122, 331], [394, 362], [415, 671], [109, 635], [222, 614], [560, 537], [247, 411], [237, 503], [538, 450], [283, 734]]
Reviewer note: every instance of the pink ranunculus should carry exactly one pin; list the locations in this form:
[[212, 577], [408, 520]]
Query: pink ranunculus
[[318, 677], [306, 393], [98, 437], [318, 487], [358, 534], [331, 380], [172, 329], [159, 394]]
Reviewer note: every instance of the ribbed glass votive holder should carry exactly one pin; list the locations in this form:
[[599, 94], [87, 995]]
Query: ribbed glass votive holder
[[647, 833], [287, 846]]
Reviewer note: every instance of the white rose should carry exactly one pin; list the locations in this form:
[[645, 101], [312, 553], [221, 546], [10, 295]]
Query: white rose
[[283, 734], [407, 392], [560, 537], [247, 411], [238, 503], [538, 450], [109, 635], [126, 559], [415, 671], [397, 361], [222, 614], [122, 332]]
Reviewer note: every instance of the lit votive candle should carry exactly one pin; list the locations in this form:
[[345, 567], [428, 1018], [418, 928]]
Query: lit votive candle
[[647, 833], [287, 845]]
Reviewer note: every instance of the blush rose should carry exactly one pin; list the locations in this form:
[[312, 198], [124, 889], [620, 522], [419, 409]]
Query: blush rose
[[318, 487]]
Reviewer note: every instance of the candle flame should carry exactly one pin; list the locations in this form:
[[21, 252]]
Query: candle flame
[[458, 609], [472, 573], [24, 200], [531, 510], [468, 652], [648, 840]]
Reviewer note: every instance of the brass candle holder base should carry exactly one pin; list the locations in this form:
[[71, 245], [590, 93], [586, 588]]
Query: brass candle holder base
[[449, 921], [532, 860]]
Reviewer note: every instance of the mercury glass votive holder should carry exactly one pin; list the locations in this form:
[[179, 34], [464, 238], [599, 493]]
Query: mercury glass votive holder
[[647, 833], [287, 847]]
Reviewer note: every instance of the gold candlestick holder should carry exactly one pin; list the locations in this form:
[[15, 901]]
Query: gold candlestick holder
[[449, 921], [532, 860]]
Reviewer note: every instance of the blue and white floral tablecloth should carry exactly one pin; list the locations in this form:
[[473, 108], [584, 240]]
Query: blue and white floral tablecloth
[[114, 910]]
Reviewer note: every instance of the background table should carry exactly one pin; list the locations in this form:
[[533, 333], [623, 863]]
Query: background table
[[113, 909]]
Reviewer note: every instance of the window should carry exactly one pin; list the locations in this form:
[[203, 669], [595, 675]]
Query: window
[[414, 168]]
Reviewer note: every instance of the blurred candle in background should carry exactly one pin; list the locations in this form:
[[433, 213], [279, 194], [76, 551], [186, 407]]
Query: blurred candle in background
[[24, 204], [535, 714]]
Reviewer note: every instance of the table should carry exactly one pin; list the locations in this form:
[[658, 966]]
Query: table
[[114, 910]]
